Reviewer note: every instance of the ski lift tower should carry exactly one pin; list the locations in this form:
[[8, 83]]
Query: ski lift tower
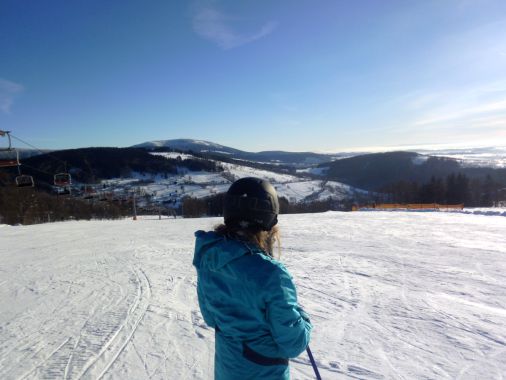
[[135, 207]]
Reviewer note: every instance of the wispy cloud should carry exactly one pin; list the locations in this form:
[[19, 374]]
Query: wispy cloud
[[465, 104], [464, 112], [8, 91], [215, 26], [471, 114]]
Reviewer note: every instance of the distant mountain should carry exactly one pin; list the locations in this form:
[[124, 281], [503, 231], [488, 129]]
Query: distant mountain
[[494, 157], [198, 146], [372, 171], [272, 157]]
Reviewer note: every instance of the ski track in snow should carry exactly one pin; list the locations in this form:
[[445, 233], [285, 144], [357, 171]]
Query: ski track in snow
[[393, 295]]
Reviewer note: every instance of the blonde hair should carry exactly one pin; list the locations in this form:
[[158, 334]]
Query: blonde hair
[[265, 240]]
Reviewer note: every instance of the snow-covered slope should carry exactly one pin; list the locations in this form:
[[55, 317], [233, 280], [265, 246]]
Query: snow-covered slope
[[170, 190], [391, 296]]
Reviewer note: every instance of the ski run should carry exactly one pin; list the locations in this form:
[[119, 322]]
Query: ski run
[[392, 295]]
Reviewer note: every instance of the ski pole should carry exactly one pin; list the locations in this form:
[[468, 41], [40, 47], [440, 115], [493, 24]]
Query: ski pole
[[313, 363]]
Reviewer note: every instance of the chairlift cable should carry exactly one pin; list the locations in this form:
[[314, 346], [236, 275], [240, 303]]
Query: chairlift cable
[[9, 134], [52, 156], [67, 176], [40, 150], [36, 169], [21, 180]]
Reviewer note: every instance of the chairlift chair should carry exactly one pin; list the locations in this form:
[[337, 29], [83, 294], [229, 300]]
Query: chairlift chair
[[8, 163], [24, 180], [62, 179]]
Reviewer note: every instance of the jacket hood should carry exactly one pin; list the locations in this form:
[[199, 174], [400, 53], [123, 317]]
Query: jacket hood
[[214, 251]]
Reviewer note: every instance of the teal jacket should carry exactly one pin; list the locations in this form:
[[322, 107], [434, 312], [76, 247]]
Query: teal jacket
[[250, 300]]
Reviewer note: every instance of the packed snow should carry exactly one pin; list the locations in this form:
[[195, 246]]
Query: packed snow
[[394, 295], [490, 211], [240, 171]]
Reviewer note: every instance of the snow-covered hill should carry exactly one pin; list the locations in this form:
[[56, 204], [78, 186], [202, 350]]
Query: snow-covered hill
[[297, 159], [391, 296], [189, 145], [170, 190], [493, 156]]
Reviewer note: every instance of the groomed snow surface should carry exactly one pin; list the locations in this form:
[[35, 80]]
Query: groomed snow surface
[[394, 295]]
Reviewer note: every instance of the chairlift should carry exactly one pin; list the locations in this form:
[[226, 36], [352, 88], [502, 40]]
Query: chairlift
[[21, 180], [24, 180], [8, 135], [62, 179], [8, 162]]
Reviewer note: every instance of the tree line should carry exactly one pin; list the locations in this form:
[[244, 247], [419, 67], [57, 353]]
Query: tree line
[[452, 189], [90, 165], [29, 206], [213, 206]]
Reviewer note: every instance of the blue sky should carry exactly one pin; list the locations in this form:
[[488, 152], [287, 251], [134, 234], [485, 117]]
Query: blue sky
[[327, 75]]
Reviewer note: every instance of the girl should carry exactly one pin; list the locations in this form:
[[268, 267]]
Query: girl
[[246, 295]]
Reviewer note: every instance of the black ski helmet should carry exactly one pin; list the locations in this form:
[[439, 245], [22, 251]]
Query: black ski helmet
[[251, 202]]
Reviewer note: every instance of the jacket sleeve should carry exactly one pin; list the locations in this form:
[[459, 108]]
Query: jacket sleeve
[[206, 313], [290, 325]]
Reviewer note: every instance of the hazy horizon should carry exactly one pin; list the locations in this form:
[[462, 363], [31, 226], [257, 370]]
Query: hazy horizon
[[422, 148]]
